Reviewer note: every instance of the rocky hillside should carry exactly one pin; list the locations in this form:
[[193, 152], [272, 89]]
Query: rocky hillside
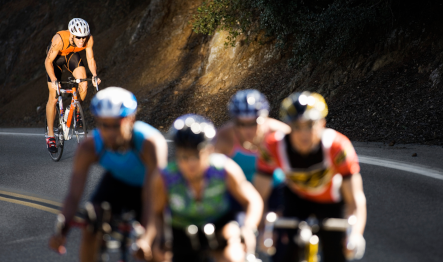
[[390, 91]]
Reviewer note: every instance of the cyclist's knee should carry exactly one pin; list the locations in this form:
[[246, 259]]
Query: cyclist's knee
[[52, 101], [83, 88], [234, 252]]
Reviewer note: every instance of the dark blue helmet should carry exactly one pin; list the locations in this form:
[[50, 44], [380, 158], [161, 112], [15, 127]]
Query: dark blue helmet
[[248, 103]]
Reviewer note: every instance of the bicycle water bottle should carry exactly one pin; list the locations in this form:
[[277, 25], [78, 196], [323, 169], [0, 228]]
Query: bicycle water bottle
[[60, 103]]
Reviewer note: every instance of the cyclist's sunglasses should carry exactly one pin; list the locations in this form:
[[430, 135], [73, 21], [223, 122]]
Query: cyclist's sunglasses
[[308, 127], [242, 124], [81, 37]]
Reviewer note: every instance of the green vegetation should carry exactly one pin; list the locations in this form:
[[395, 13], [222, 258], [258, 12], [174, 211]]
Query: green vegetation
[[313, 30]]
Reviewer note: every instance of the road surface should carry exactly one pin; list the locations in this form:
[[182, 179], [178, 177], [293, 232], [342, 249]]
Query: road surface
[[404, 196]]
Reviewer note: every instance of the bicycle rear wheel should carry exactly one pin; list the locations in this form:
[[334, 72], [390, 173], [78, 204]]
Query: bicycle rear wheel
[[58, 135], [80, 132]]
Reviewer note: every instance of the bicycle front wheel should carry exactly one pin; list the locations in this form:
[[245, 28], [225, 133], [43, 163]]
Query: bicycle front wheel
[[80, 130], [58, 135]]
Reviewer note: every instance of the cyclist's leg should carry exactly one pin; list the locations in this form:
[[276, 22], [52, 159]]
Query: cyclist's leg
[[50, 109], [76, 66], [52, 101], [89, 246]]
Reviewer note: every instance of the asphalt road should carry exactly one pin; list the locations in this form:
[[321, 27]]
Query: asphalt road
[[404, 207]]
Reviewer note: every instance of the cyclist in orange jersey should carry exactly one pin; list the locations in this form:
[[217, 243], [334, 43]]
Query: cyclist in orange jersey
[[62, 53]]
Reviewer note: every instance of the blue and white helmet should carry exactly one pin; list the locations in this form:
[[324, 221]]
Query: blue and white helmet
[[248, 103], [114, 102]]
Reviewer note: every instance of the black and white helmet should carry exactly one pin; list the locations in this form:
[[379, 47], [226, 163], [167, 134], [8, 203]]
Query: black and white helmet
[[79, 27]]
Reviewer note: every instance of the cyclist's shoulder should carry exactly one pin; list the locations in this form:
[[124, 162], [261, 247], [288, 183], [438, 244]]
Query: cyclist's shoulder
[[341, 151], [90, 42], [334, 139], [57, 40], [170, 175], [143, 131], [274, 138], [218, 161], [274, 125]]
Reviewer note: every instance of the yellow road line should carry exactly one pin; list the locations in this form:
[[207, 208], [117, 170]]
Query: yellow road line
[[31, 198], [47, 209]]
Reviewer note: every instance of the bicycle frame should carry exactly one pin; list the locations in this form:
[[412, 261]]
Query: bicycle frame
[[74, 102]]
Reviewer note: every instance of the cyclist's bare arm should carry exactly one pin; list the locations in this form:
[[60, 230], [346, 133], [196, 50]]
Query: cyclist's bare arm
[[155, 156], [56, 46], [245, 193], [224, 140], [158, 204], [276, 125], [90, 56], [84, 158], [355, 200]]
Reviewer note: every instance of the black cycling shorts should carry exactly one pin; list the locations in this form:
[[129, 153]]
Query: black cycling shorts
[[182, 247], [331, 241], [121, 196], [71, 61]]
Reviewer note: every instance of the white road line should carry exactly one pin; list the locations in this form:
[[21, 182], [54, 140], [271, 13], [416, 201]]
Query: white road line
[[30, 134], [21, 134], [424, 171]]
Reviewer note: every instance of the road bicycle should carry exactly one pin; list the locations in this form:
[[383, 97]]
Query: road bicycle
[[306, 237], [118, 232], [66, 120]]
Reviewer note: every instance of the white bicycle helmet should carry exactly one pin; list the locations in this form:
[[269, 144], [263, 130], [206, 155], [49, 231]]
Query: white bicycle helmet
[[79, 27], [114, 102]]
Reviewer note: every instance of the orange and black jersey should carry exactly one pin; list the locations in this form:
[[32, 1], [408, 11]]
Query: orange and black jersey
[[67, 47], [67, 58], [317, 176]]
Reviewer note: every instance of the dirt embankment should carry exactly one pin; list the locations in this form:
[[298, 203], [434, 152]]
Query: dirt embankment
[[389, 92]]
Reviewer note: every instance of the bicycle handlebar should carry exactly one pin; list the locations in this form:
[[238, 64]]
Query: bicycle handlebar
[[75, 81], [329, 224]]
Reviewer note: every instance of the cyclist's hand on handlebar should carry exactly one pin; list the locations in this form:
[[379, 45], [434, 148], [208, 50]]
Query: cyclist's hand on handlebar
[[57, 242], [355, 246], [55, 83], [144, 251], [250, 239], [96, 81]]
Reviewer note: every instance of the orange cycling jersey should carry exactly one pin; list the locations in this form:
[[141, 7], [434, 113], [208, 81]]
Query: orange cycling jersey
[[67, 47], [317, 176]]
